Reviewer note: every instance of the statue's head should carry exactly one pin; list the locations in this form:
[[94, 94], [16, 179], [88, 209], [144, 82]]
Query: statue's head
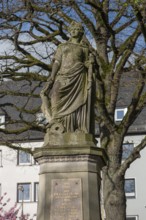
[[76, 26]]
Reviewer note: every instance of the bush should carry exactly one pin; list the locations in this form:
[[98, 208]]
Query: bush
[[14, 213]]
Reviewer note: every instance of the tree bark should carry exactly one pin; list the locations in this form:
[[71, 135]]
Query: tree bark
[[114, 197], [113, 180]]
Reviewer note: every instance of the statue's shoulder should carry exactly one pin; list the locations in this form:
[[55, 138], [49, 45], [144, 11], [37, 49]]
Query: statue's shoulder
[[62, 44], [70, 44], [61, 47]]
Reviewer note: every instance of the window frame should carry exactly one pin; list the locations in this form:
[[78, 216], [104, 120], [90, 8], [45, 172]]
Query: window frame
[[36, 191], [132, 216], [131, 194], [127, 143], [2, 121], [0, 158], [116, 111], [40, 119], [30, 192], [23, 163]]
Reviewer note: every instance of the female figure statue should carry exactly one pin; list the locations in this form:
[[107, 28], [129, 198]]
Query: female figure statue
[[65, 97]]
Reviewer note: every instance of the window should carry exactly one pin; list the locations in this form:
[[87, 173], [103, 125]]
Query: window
[[2, 121], [132, 218], [120, 113], [127, 149], [130, 187], [23, 192], [24, 158], [0, 158], [40, 119], [36, 187]]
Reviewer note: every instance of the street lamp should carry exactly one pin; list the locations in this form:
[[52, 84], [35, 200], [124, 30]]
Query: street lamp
[[21, 189]]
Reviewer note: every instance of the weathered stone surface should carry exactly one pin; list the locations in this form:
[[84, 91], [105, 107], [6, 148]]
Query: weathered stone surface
[[70, 162], [68, 139], [71, 154], [66, 199], [66, 97], [61, 165]]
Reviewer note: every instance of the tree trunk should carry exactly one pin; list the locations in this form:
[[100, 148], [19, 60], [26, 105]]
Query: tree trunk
[[114, 197], [113, 180]]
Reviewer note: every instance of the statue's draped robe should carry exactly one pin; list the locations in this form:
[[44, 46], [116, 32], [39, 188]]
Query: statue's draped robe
[[69, 93]]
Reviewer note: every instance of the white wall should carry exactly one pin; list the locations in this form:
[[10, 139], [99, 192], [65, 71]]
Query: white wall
[[11, 174], [137, 170], [137, 206]]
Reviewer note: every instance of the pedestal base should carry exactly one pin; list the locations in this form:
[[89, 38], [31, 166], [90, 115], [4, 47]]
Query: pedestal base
[[68, 139], [69, 182]]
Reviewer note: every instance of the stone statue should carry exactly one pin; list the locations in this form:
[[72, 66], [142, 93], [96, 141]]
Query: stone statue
[[66, 97]]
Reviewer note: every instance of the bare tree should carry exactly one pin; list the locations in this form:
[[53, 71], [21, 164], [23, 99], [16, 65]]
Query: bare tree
[[115, 31]]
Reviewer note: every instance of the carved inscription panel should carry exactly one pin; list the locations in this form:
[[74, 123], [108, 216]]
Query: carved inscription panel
[[66, 199]]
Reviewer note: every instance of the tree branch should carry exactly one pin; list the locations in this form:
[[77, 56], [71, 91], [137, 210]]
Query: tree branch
[[133, 156]]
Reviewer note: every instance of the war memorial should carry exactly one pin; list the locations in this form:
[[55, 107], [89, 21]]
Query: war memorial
[[70, 161]]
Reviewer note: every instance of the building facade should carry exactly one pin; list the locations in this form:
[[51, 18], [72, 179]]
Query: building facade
[[19, 173], [135, 180], [19, 178]]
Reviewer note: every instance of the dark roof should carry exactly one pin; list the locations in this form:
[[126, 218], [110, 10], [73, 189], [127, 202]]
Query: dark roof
[[128, 86], [18, 104], [22, 101]]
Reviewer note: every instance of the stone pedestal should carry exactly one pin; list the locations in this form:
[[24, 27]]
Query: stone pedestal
[[70, 178]]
